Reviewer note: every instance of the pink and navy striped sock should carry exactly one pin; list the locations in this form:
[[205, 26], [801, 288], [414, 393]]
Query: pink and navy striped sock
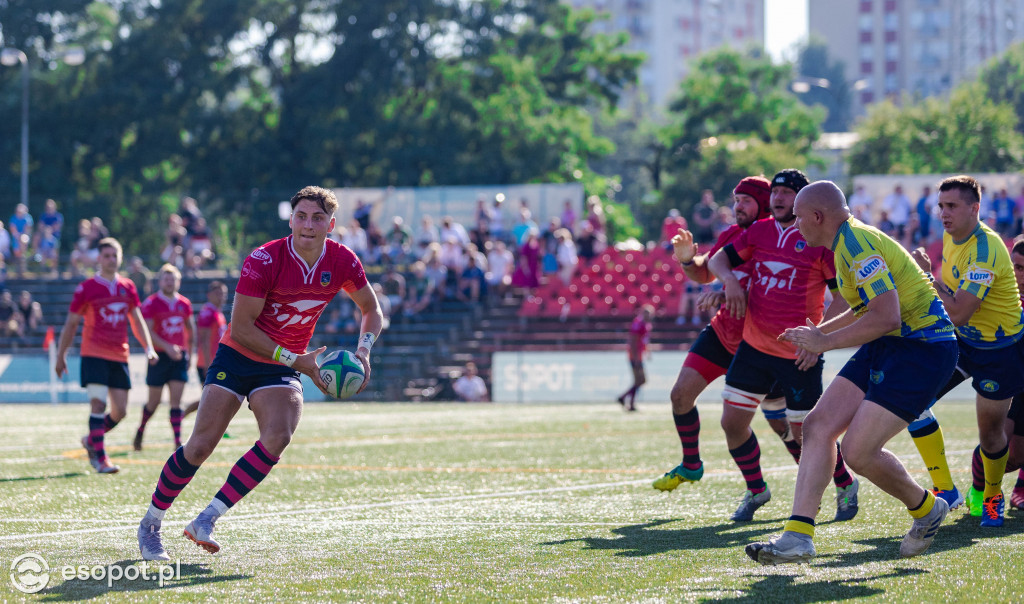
[[248, 472], [146, 414], [840, 476], [176, 425], [175, 476], [748, 458], [688, 427], [977, 470], [794, 448], [96, 434], [109, 423]]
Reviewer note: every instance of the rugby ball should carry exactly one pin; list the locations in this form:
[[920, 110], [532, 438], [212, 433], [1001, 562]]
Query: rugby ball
[[343, 374]]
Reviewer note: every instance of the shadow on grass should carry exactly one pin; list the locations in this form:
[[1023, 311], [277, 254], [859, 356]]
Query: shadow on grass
[[181, 575], [785, 588], [647, 539], [50, 477]]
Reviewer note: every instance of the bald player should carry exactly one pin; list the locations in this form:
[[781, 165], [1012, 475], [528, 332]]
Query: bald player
[[907, 345]]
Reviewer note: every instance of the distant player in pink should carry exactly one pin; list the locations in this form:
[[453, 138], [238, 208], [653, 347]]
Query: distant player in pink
[[210, 328], [284, 287], [168, 315], [108, 302], [786, 289], [639, 338]]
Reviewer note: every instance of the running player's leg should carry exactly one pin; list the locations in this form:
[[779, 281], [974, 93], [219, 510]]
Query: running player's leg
[[155, 393], [994, 453], [928, 438], [748, 380], [174, 391], [277, 410]]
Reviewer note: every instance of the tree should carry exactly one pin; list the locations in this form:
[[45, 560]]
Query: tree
[[826, 84], [967, 133], [1003, 80]]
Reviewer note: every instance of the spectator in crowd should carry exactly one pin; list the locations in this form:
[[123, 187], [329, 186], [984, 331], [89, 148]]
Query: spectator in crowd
[[861, 204], [568, 217], [437, 272], [98, 231], [500, 263], [355, 238], [420, 291], [5, 243], [453, 256], [596, 216], [909, 240], [588, 242], [189, 212], [670, 226], [985, 209], [472, 287], [723, 220], [566, 255], [376, 245], [140, 276], [10, 324], [924, 216], [51, 218], [30, 313], [527, 272], [173, 252], [481, 222], [470, 387], [82, 257], [886, 225], [344, 316], [523, 226], [1019, 212], [393, 287], [1004, 209], [362, 213], [20, 225], [450, 228], [499, 230], [426, 234], [549, 245], [47, 249], [703, 218], [399, 240], [200, 244], [897, 206]]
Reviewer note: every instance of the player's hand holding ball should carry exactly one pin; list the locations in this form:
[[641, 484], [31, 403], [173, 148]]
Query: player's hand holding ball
[[343, 374]]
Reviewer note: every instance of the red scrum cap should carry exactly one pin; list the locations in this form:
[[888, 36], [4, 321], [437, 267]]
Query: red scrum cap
[[760, 189]]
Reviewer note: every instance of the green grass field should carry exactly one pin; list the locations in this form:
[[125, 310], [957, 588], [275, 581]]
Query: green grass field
[[401, 502]]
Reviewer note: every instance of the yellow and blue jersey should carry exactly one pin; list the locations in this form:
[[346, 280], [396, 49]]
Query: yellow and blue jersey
[[980, 265], [869, 263]]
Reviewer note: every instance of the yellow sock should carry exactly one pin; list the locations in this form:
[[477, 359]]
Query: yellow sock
[[995, 467], [922, 510], [804, 528], [932, 448]]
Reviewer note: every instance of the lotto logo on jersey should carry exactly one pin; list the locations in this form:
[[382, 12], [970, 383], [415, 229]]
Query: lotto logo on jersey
[[976, 274], [261, 255], [115, 313], [869, 268]]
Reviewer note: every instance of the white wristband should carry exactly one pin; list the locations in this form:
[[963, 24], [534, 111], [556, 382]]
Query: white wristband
[[366, 340], [285, 357]]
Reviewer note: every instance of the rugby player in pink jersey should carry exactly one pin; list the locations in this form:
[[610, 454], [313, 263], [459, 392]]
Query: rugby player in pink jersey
[[168, 315], [639, 338], [787, 286], [711, 353], [284, 287], [108, 302]]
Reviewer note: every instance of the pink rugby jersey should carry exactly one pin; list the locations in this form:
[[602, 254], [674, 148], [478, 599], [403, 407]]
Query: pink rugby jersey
[[296, 293], [642, 329], [105, 306], [729, 329], [213, 319], [170, 316], [788, 281]]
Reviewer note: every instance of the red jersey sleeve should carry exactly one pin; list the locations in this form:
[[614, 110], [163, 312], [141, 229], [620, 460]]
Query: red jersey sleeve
[[256, 278]]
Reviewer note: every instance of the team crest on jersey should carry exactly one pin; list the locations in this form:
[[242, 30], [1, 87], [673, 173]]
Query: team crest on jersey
[[325, 278], [877, 377], [981, 276], [800, 245], [869, 268]]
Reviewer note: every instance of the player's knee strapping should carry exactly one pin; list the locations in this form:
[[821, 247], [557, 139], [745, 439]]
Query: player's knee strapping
[[741, 399]]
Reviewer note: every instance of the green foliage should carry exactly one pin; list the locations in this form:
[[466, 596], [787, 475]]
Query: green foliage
[[1003, 81], [967, 133], [735, 116], [826, 83]]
